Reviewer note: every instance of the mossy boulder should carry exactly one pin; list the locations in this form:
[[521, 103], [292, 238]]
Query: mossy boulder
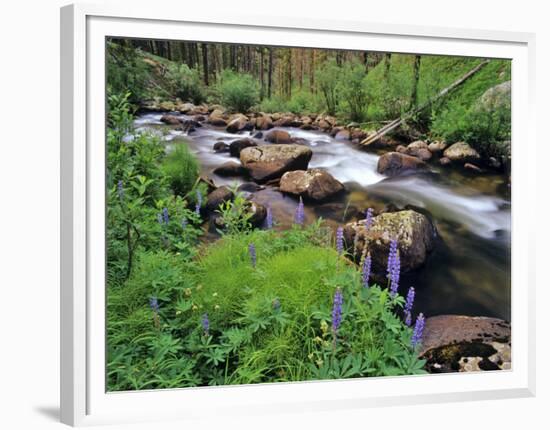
[[414, 232], [461, 152]]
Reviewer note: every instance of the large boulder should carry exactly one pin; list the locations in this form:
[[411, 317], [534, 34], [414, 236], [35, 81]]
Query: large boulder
[[419, 149], [264, 122], [216, 118], [395, 163], [185, 108], [266, 162], [230, 168], [237, 123], [278, 136], [457, 343], [414, 232], [238, 145], [313, 184], [217, 197], [437, 146], [461, 152]]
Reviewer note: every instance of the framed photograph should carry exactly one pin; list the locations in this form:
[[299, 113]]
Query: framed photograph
[[265, 214]]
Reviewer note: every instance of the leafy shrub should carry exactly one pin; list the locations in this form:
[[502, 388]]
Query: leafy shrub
[[238, 91], [126, 72], [235, 215], [181, 169], [326, 80], [352, 89], [184, 83]]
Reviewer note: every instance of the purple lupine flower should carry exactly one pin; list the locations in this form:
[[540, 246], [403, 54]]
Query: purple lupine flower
[[276, 304], [205, 322], [340, 240], [154, 304], [183, 223], [337, 310], [394, 277], [416, 338], [391, 256], [367, 262], [252, 252], [160, 218], [199, 203], [120, 190], [408, 306], [269, 218], [165, 216], [368, 218], [299, 215]]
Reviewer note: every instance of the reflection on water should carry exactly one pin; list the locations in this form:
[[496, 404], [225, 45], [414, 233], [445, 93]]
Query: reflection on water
[[469, 269]]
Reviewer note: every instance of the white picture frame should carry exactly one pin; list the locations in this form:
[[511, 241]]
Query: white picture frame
[[84, 400]]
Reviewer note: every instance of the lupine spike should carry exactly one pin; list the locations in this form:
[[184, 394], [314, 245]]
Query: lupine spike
[[299, 215], [252, 252], [120, 190], [276, 304], [340, 240], [408, 306], [391, 256], [368, 218], [199, 203], [154, 304], [396, 269], [337, 310], [416, 338], [183, 223], [205, 322], [367, 263], [160, 218], [269, 218], [165, 216]]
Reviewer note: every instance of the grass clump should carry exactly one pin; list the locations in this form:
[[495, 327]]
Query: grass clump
[[181, 169]]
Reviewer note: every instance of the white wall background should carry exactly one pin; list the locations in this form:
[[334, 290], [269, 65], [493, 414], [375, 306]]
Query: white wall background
[[29, 214]]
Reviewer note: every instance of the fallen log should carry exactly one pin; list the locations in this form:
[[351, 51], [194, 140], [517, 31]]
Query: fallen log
[[399, 121]]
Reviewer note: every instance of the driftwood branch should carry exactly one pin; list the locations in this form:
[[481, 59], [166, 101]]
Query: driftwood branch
[[399, 121]]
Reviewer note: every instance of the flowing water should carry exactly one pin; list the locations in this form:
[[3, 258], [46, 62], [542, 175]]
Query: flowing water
[[468, 271]]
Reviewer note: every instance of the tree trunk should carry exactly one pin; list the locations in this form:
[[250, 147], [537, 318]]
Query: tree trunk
[[416, 77], [262, 88], [205, 62], [387, 65], [270, 73]]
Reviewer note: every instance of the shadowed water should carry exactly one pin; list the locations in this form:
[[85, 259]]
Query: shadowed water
[[469, 270]]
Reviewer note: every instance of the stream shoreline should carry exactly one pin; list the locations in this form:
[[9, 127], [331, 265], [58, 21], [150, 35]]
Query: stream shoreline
[[467, 272]]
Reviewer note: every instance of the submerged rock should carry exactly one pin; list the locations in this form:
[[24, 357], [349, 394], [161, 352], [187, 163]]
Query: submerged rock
[[229, 168], [170, 120], [313, 184], [461, 152], [414, 232], [457, 343], [217, 197], [394, 164], [278, 136], [220, 147], [266, 162]]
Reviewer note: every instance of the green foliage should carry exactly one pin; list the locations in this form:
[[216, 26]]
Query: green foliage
[[326, 79], [238, 91], [184, 83], [235, 214], [352, 90], [181, 169], [250, 338], [127, 72]]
